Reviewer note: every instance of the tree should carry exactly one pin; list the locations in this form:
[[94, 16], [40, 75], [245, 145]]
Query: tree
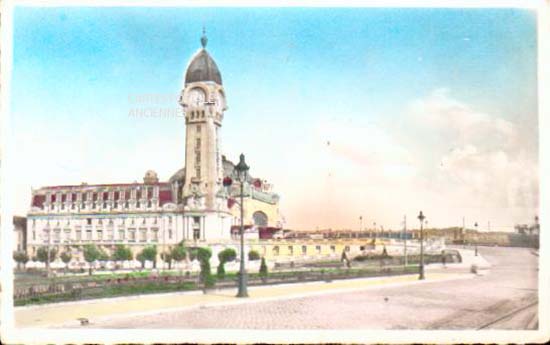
[[178, 253], [228, 254], [66, 258], [141, 258], [122, 253], [253, 255], [150, 254], [263, 269], [167, 257], [221, 270], [42, 255], [91, 254], [204, 255], [21, 258]]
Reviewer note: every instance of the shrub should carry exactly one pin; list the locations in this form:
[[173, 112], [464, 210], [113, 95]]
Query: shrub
[[263, 269], [66, 258], [210, 281], [21, 257], [91, 254], [149, 253], [178, 253], [228, 254], [167, 257], [42, 255], [221, 270], [253, 255], [141, 258], [204, 254]]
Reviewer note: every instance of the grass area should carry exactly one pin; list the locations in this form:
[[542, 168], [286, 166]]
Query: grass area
[[28, 279], [159, 286], [109, 291]]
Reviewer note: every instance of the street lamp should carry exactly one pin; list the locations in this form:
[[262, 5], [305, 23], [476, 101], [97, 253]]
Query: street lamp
[[242, 174], [421, 268], [476, 238]]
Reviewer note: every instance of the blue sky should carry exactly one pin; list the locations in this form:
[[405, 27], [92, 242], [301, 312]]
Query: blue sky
[[295, 79]]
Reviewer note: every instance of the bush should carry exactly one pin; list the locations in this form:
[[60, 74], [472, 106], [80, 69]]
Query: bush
[[66, 257], [148, 253], [178, 253], [21, 257], [263, 269], [204, 254], [210, 281], [122, 253], [221, 270], [253, 255], [226, 255], [91, 254], [42, 254], [167, 257]]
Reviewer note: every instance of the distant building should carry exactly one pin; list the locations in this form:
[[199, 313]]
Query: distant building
[[528, 229]]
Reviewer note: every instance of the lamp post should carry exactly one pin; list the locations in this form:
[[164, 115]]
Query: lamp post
[[535, 239], [476, 238], [421, 268], [242, 173]]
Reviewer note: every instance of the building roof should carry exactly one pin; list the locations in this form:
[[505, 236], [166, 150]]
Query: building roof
[[39, 197], [202, 68]]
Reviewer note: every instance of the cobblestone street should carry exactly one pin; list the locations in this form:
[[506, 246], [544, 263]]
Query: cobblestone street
[[474, 303]]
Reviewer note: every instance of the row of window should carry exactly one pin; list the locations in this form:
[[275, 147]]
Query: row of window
[[106, 205], [197, 113], [110, 222], [136, 193], [276, 250], [100, 235]]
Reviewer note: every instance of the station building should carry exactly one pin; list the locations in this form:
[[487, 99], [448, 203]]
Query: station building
[[192, 205]]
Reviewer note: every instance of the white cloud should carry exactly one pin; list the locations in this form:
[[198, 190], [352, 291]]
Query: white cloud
[[488, 164]]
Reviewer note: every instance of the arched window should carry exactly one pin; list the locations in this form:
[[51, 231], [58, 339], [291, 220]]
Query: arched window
[[260, 218]]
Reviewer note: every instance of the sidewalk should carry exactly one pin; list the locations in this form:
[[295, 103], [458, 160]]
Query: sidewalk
[[68, 313]]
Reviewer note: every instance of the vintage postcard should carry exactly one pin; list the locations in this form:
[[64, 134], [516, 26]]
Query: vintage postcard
[[356, 172]]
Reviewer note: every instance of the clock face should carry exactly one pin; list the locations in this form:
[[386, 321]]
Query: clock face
[[196, 97]]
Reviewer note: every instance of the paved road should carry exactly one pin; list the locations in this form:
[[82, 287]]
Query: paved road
[[505, 298]]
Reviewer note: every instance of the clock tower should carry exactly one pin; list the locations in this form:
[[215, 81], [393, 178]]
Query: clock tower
[[203, 102]]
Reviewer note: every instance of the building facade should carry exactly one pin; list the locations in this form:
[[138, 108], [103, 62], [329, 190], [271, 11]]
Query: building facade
[[193, 205]]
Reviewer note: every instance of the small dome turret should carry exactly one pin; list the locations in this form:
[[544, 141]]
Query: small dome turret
[[150, 177]]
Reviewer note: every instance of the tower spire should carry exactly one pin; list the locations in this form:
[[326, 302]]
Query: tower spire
[[204, 39]]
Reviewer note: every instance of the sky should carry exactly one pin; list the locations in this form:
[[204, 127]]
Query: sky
[[349, 112]]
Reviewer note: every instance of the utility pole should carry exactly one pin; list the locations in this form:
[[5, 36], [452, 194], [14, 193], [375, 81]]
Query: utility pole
[[463, 229], [405, 239], [489, 225]]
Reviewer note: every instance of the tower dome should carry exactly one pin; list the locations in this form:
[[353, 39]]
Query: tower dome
[[202, 67]]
